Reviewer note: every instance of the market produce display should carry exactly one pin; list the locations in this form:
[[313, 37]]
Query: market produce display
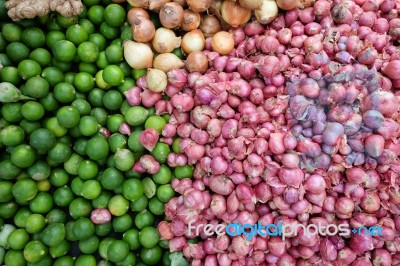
[[199, 132]]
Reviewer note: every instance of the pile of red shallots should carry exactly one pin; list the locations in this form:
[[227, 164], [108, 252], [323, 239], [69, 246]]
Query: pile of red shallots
[[298, 124]]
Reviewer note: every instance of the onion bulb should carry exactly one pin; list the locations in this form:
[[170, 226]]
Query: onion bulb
[[199, 5], [143, 30], [156, 5], [234, 14], [156, 80], [223, 42], [136, 12], [191, 20], [267, 12], [210, 25], [138, 55], [165, 40], [193, 41], [167, 62], [139, 3], [287, 4], [250, 4], [181, 2], [197, 61], [171, 15]]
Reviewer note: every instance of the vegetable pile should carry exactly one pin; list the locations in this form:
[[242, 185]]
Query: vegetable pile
[[123, 125]]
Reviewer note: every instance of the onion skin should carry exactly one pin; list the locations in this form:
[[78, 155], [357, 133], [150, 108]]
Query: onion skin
[[234, 14], [191, 20], [223, 42], [171, 15], [165, 41], [199, 5], [136, 12], [132, 49], [197, 62], [210, 25], [143, 30], [288, 4], [167, 62], [193, 41], [250, 4]]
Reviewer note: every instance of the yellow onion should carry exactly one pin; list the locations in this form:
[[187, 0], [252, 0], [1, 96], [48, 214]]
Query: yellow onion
[[287, 4], [171, 15], [210, 25], [191, 20], [165, 40], [156, 5], [234, 14], [143, 30], [181, 2], [223, 42], [139, 3], [199, 5], [267, 12], [136, 12], [138, 55], [250, 4], [193, 41], [167, 62], [156, 80], [197, 62]]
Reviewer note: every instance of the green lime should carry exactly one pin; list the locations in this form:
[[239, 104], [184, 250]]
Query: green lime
[[88, 169], [129, 260], [63, 196], [144, 219], [60, 153], [101, 201], [91, 189], [95, 97], [108, 31], [33, 37], [69, 77], [64, 51], [185, 171], [6, 191], [89, 68], [132, 189], [72, 165], [88, 52], [53, 75], [32, 111], [114, 122], [83, 228], [36, 87], [96, 14], [138, 73], [101, 61], [156, 122], [28, 68], [53, 234], [104, 245], [136, 115], [56, 216], [117, 251], [64, 261], [11, 32], [17, 51], [122, 223], [160, 152], [8, 209], [8, 170], [151, 256], [100, 81], [65, 22], [60, 250], [112, 100], [10, 74], [149, 237], [76, 34], [82, 105], [100, 114], [52, 125], [24, 190], [84, 82], [35, 251], [58, 177], [42, 139], [12, 136], [89, 245], [18, 239], [23, 156], [113, 75], [115, 15], [42, 56], [41, 203], [64, 92], [165, 192], [114, 54], [117, 141], [132, 238], [156, 206], [54, 36], [88, 125], [21, 216], [98, 40], [118, 205], [14, 258], [29, 126], [4, 59], [68, 116], [80, 207], [97, 148], [163, 176], [39, 171], [76, 185], [63, 66], [11, 112], [124, 159], [87, 25]]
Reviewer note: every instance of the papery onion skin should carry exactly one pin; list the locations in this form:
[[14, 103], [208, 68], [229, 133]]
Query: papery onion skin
[[191, 20], [210, 25], [193, 41], [165, 40], [197, 62], [136, 12], [143, 30], [267, 12], [250, 4], [234, 14], [133, 49], [171, 15], [287, 4], [199, 5], [223, 42], [167, 62], [139, 3], [156, 80]]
